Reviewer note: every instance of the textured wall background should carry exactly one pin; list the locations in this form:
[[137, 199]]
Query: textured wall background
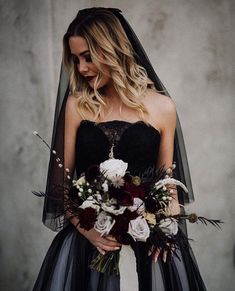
[[191, 44]]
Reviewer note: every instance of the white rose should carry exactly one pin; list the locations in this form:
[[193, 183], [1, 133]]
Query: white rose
[[104, 223], [113, 167], [138, 205], [111, 206], [169, 226], [138, 229], [90, 202]]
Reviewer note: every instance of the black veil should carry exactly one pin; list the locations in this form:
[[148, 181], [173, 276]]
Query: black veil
[[53, 211]]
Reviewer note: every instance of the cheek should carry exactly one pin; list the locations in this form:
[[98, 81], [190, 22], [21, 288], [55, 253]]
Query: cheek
[[93, 67]]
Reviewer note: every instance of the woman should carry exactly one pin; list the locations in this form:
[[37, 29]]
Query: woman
[[113, 104]]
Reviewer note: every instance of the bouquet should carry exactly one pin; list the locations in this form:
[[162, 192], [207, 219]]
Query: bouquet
[[108, 198]]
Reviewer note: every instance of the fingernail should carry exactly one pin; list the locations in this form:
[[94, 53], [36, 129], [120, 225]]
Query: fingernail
[[117, 248]]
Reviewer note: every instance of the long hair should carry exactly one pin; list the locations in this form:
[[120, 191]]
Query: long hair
[[105, 34]]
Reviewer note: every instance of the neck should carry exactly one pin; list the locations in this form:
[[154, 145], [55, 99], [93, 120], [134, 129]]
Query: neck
[[111, 96]]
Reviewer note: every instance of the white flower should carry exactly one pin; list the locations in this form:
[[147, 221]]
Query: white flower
[[111, 206], [105, 186], [138, 205], [113, 167], [97, 197], [117, 181], [161, 183], [104, 223], [169, 226], [90, 202], [81, 181], [138, 229]]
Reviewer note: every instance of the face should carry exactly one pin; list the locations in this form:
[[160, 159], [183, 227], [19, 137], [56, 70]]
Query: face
[[82, 59]]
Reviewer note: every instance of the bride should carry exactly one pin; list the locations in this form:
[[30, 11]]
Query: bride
[[110, 98]]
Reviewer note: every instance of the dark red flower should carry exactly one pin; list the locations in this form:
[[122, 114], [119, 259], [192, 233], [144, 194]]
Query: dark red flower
[[135, 191], [127, 178], [124, 198], [87, 218], [122, 223]]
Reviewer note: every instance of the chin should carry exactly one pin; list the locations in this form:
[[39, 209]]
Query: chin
[[101, 86]]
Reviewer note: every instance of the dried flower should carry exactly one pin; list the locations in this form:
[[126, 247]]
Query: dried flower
[[192, 217], [136, 180], [150, 217]]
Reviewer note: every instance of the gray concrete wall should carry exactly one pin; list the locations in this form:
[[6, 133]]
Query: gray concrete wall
[[191, 44]]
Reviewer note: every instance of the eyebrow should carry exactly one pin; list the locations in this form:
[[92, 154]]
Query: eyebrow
[[81, 54]]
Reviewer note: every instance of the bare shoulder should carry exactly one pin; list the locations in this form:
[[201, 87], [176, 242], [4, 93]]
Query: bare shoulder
[[160, 101], [161, 108]]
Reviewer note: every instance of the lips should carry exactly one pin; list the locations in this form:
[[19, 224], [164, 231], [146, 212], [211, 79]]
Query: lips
[[89, 78]]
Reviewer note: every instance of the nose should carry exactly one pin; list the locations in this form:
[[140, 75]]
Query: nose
[[82, 67]]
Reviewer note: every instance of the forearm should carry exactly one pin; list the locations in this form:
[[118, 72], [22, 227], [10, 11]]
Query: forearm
[[75, 221], [174, 207]]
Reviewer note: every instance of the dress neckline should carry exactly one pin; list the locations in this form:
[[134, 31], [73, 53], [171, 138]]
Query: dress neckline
[[123, 121]]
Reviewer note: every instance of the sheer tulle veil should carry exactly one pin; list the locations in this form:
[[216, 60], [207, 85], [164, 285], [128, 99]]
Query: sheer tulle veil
[[53, 211]]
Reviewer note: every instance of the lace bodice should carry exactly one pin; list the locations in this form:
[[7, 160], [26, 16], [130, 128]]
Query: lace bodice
[[135, 143]]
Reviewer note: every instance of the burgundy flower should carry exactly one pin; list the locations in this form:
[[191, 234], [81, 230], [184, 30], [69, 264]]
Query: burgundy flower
[[127, 178], [87, 218], [122, 223], [92, 173], [124, 198], [135, 191]]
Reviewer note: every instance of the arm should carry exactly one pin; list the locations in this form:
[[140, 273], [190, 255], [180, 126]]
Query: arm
[[166, 149], [72, 123]]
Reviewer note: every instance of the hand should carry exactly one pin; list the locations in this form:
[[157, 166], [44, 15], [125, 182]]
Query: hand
[[103, 244], [156, 252]]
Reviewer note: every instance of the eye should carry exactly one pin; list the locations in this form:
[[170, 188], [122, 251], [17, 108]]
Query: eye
[[75, 59], [88, 58]]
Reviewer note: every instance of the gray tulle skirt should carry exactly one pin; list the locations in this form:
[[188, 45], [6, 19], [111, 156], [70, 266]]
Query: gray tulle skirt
[[66, 268]]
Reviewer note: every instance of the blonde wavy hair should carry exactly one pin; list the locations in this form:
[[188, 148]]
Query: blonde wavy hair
[[104, 33]]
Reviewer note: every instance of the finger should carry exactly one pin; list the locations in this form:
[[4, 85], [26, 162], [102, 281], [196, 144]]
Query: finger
[[156, 254], [109, 242], [164, 256], [101, 251], [107, 247], [172, 251], [111, 238]]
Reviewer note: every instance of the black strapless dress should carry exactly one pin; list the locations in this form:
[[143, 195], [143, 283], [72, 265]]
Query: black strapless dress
[[65, 266]]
